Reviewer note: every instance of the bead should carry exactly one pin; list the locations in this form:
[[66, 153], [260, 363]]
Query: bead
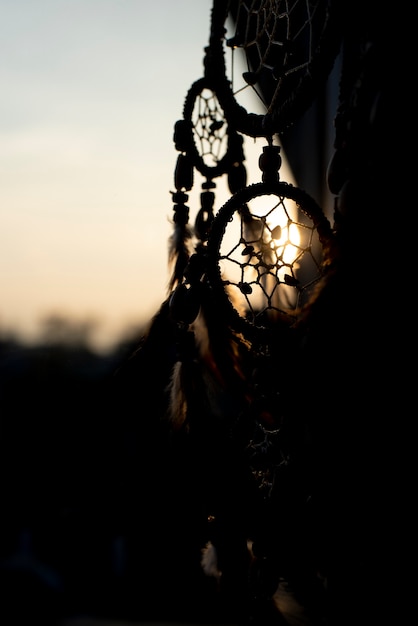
[[208, 184], [184, 303], [203, 223], [235, 147], [276, 233], [237, 177], [179, 197], [250, 78], [181, 214], [183, 175], [207, 198], [195, 268], [216, 125], [245, 288], [183, 135], [290, 280], [248, 250], [270, 162]]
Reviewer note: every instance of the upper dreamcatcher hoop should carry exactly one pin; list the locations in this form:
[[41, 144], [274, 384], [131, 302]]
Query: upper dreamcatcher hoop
[[263, 251], [288, 48]]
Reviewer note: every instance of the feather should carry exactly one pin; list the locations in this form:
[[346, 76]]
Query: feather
[[209, 561], [177, 412], [178, 252]]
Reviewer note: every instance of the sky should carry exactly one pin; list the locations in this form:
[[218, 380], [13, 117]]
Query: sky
[[91, 90]]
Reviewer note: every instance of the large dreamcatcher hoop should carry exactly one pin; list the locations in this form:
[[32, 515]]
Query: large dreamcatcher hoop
[[288, 49]]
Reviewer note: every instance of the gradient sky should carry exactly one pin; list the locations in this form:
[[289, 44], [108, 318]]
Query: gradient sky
[[91, 90]]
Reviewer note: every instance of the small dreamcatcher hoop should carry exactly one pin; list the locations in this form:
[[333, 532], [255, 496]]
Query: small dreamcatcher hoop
[[264, 256], [212, 145]]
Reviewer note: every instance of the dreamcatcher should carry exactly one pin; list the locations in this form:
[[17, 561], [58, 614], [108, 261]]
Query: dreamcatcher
[[258, 259], [264, 351], [243, 274]]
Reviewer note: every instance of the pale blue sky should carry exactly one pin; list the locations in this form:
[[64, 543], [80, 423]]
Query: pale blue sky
[[91, 90]]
